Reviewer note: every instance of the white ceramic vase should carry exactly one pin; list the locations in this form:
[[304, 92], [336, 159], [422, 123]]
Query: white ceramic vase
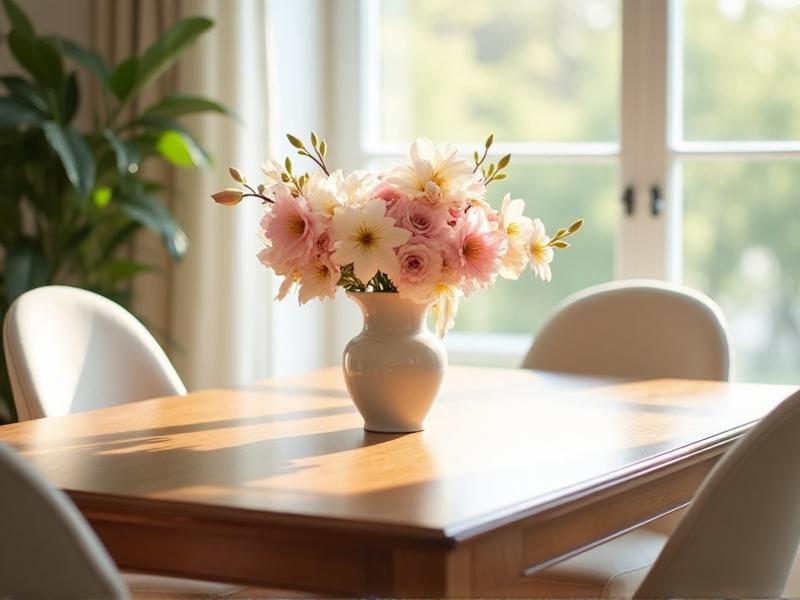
[[394, 368]]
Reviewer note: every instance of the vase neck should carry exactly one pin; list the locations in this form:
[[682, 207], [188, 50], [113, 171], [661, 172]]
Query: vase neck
[[387, 312]]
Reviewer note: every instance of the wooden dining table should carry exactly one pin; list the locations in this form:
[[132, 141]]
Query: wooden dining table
[[277, 484]]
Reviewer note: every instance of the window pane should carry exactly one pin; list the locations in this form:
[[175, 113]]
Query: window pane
[[557, 194], [741, 69], [528, 70], [741, 246]]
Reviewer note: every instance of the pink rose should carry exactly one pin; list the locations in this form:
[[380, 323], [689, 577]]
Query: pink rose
[[420, 266]]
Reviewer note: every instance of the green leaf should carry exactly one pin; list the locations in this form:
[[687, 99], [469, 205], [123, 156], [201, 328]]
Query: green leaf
[[176, 105], [120, 269], [150, 212], [26, 92], [26, 268], [75, 155], [37, 56], [120, 237], [131, 75], [101, 196], [295, 141], [181, 149], [14, 113], [85, 57], [124, 77], [71, 97], [126, 153], [18, 19]]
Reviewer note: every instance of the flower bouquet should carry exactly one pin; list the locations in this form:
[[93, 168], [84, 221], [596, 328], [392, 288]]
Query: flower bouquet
[[418, 236]]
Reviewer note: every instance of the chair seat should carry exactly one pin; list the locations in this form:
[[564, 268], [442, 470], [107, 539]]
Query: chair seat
[[611, 570]]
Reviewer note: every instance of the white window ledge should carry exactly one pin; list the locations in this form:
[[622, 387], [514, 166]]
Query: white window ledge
[[487, 349]]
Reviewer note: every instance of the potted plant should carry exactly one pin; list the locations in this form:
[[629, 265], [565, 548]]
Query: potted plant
[[71, 199]]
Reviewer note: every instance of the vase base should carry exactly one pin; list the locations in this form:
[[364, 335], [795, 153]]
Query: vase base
[[377, 429]]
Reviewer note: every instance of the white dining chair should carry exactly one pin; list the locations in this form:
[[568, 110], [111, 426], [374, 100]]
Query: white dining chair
[[70, 350], [742, 530], [638, 329], [48, 550], [740, 534]]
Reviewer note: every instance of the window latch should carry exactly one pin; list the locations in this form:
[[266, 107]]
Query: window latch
[[656, 200], [628, 199]]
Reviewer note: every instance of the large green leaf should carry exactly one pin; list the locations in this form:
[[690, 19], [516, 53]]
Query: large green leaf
[[85, 57], [127, 154], [71, 97], [37, 56], [124, 78], [120, 269], [131, 75], [174, 142], [176, 105], [25, 91], [181, 149], [150, 212], [18, 19], [26, 268], [14, 113], [75, 155]]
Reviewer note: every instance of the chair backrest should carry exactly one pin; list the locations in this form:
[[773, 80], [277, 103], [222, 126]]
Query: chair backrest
[[739, 537], [69, 350], [48, 550], [638, 329]]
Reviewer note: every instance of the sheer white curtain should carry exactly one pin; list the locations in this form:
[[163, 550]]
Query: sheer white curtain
[[221, 296], [265, 60]]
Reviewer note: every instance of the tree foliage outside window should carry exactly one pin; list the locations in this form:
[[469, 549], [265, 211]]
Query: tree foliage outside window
[[535, 71]]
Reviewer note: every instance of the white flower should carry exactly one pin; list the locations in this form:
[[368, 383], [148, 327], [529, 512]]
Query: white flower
[[518, 229], [366, 237], [272, 169], [359, 187], [325, 193], [445, 307], [318, 279], [539, 253], [438, 174]]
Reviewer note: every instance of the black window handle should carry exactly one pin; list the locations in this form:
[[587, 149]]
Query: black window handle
[[656, 200], [628, 199]]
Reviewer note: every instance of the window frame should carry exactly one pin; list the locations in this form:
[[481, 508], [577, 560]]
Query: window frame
[[649, 154]]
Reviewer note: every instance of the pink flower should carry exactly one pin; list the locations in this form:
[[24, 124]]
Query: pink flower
[[420, 218], [420, 268], [480, 249], [390, 195], [291, 229]]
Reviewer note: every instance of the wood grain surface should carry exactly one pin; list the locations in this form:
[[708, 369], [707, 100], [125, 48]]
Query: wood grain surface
[[277, 483]]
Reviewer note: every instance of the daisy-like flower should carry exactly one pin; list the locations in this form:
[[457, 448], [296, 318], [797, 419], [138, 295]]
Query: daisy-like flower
[[359, 187], [539, 253], [480, 249], [318, 279], [325, 193], [367, 239], [438, 174], [518, 229]]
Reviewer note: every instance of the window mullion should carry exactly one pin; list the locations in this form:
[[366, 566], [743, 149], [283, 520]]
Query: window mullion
[[643, 248]]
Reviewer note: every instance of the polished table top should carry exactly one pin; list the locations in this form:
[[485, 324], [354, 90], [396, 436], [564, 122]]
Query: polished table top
[[500, 445]]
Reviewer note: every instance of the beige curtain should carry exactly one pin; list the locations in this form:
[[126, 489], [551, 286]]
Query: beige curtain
[[213, 308]]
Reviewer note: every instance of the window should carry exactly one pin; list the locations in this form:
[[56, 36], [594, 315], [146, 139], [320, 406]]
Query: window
[[692, 106]]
